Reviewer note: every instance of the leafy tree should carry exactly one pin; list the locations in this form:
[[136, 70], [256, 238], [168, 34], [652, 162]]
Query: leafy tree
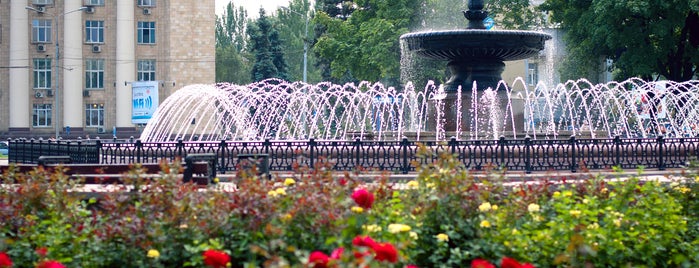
[[365, 44], [232, 57], [514, 14], [337, 9], [295, 34], [266, 46], [644, 38]]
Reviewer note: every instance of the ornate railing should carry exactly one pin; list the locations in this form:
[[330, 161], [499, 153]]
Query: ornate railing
[[396, 156]]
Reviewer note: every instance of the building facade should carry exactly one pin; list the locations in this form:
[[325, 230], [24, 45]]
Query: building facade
[[67, 66]]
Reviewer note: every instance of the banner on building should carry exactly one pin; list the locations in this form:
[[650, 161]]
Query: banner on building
[[144, 101]]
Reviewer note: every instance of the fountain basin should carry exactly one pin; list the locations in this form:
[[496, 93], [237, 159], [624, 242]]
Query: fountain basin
[[455, 45]]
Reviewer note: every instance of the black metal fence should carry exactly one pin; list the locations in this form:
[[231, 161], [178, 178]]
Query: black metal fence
[[396, 156]]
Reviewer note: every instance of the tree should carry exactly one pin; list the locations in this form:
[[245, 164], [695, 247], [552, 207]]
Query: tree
[[643, 38], [293, 32], [337, 9], [232, 57], [365, 44], [266, 46]]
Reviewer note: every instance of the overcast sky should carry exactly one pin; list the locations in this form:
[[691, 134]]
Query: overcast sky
[[252, 6]]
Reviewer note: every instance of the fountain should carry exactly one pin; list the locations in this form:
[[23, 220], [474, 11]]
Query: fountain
[[476, 61]]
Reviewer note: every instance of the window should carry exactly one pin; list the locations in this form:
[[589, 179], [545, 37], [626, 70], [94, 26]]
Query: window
[[146, 32], [94, 31], [42, 73], [42, 2], [146, 3], [41, 31], [94, 74], [146, 70], [94, 2], [41, 115], [94, 115], [533, 74]]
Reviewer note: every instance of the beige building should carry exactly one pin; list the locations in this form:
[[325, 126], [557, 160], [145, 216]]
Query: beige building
[[71, 63]]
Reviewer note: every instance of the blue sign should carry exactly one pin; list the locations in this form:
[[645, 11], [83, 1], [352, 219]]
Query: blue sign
[[489, 23], [145, 101]]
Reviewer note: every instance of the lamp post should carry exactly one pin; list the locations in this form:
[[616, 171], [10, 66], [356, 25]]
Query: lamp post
[[305, 45], [55, 31]]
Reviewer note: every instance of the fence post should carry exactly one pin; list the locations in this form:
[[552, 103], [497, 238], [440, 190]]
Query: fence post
[[311, 154], [223, 149], [617, 149], [267, 145], [501, 143], [180, 149], [406, 163], [139, 146], [98, 147], [661, 159], [527, 154], [452, 145], [357, 151], [573, 159]]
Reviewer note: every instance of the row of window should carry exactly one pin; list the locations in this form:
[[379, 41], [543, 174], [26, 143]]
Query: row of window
[[94, 73], [142, 3], [42, 115], [94, 31]]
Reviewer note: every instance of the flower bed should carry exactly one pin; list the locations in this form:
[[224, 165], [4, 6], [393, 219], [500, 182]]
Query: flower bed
[[445, 217]]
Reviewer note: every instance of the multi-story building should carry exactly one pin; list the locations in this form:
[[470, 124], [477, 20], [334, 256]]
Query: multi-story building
[[67, 66]]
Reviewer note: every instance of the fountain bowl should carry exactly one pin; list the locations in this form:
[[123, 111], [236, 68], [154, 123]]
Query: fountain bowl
[[454, 45]]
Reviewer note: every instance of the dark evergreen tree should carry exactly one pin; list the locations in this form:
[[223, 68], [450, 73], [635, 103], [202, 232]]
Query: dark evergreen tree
[[266, 46]]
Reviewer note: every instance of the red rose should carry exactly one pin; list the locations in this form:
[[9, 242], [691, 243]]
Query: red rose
[[363, 198], [216, 259], [411, 266], [42, 251], [363, 241], [318, 259], [481, 263], [5, 260], [337, 253], [50, 264], [508, 262], [385, 252]]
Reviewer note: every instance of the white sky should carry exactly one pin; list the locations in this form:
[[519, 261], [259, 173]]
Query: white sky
[[252, 6]]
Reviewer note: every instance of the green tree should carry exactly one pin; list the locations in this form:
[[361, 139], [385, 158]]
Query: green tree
[[266, 46], [232, 56], [514, 14], [296, 31], [365, 44], [643, 38], [338, 9]]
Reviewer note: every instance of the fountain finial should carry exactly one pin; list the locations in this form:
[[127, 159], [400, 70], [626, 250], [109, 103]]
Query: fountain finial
[[475, 14]]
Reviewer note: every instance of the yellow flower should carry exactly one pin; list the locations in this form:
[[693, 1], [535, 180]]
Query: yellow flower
[[533, 208], [431, 185], [372, 228], [514, 231], [289, 182], [154, 254], [556, 194], [357, 209], [567, 193], [286, 217], [485, 224], [272, 193], [605, 190], [585, 201], [413, 184], [216, 180], [575, 213], [413, 235], [442, 237], [684, 190], [494, 207], [281, 191], [696, 179], [485, 207], [398, 228], [617, 222]]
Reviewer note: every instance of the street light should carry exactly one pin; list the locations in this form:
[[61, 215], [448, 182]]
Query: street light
[[55, 31], [305, 45]]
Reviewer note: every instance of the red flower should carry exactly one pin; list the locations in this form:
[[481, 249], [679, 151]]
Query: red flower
[[363, 241], [411, 266], [216, 259], [508, 262], [5, 261], [337, 253], [318, 259], [385, 252], [42, 251], [363, 198], [50, 264], [481, 263]]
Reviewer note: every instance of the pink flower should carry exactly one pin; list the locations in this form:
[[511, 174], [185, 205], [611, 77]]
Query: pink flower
[[5, 261], [481, 263], [411, 266], [318, 259], [363, 198], [50, 264], [216, 259]]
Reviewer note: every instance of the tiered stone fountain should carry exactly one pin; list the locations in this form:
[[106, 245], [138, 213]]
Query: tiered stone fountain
[[476, 59]]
